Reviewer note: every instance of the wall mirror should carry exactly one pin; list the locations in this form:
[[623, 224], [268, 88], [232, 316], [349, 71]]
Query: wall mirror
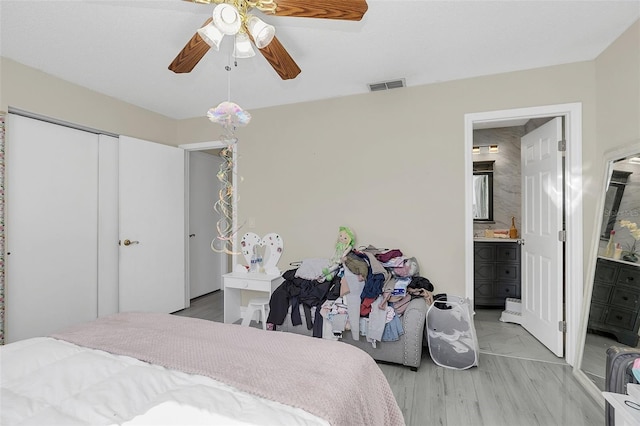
[[612, 200], [483, 191], [611, 310]]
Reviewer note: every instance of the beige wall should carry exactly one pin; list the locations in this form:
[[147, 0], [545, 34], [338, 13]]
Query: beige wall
[[618, 92], [31, 90], [618, 101], [390, 165]]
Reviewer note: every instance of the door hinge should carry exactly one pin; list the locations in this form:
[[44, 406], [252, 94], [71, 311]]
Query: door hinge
[[562, 236], [562, 326], [562, 145]]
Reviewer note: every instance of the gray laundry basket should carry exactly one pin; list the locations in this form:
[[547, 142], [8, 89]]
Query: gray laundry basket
[[451, 335]]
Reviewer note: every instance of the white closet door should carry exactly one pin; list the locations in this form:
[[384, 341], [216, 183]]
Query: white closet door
[[152, 217], [52, 214]]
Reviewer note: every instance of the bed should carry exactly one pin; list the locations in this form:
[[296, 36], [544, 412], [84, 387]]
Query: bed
[[148, 368]]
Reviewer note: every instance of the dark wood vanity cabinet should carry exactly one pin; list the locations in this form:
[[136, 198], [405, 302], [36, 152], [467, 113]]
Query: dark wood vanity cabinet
[[496, 272], [615, 302]]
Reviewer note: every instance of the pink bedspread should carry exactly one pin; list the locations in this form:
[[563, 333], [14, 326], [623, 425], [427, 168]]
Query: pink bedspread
[[330, 379]]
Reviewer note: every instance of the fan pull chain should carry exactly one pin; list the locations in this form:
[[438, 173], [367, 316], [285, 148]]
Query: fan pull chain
[[228, 69]]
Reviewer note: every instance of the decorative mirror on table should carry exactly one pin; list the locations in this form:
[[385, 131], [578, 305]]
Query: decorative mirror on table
[[611, 310]]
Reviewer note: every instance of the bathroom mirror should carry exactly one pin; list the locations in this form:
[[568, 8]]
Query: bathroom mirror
[[483, 191], [612, 200], [611, 309]]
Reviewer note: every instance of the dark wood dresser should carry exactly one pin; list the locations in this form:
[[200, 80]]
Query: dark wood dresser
[[496, 272], [615, 302]]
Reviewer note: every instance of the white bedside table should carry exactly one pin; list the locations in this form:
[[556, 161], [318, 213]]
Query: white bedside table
[[235, 282]]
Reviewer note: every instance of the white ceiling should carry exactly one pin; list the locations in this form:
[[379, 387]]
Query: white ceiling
[[122, 48]]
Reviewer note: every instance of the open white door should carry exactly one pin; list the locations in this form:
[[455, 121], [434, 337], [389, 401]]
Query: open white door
[[152, 227], [542, 283]]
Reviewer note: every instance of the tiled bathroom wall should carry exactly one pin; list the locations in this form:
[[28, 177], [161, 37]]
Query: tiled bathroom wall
[[506, 174]]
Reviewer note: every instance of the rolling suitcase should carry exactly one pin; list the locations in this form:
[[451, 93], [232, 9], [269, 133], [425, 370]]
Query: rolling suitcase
[[618, 374]]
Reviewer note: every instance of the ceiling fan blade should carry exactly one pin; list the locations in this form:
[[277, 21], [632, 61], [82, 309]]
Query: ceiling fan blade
[[350, 10], [191, 53], [280, 60]]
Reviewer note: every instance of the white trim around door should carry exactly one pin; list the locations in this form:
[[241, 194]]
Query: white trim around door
[[572, 114], [203, 146]]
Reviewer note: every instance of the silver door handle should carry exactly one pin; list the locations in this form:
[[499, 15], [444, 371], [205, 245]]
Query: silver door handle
[[129, 242]]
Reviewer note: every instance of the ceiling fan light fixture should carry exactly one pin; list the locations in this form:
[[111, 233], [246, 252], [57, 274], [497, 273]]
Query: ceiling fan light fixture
[[261, 32], [211, 35], [227, 18], [243, 47]]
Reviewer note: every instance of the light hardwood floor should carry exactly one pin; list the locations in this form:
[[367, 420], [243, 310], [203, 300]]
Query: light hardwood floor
[[515, 385]]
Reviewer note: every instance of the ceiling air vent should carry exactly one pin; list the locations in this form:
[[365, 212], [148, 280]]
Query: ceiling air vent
[[386, 85]]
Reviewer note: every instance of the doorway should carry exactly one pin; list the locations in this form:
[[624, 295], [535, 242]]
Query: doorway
[[205, 265], [201, 231], [517, 297], [573, 259]]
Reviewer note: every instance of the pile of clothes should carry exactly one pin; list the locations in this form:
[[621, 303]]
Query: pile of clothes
[[367, 295]]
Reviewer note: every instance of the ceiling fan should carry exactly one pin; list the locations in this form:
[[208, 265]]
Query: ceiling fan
[[233, 17]]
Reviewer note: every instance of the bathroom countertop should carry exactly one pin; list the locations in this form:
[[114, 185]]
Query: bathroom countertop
[[618, 260], [495, 240]]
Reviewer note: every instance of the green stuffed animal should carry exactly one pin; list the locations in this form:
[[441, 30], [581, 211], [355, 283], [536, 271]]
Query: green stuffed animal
[[345, 243]]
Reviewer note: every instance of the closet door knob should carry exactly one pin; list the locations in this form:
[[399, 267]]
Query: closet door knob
[[129, 242]]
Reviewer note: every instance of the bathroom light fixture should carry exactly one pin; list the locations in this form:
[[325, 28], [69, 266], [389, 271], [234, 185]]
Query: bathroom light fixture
[[491, 149]]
